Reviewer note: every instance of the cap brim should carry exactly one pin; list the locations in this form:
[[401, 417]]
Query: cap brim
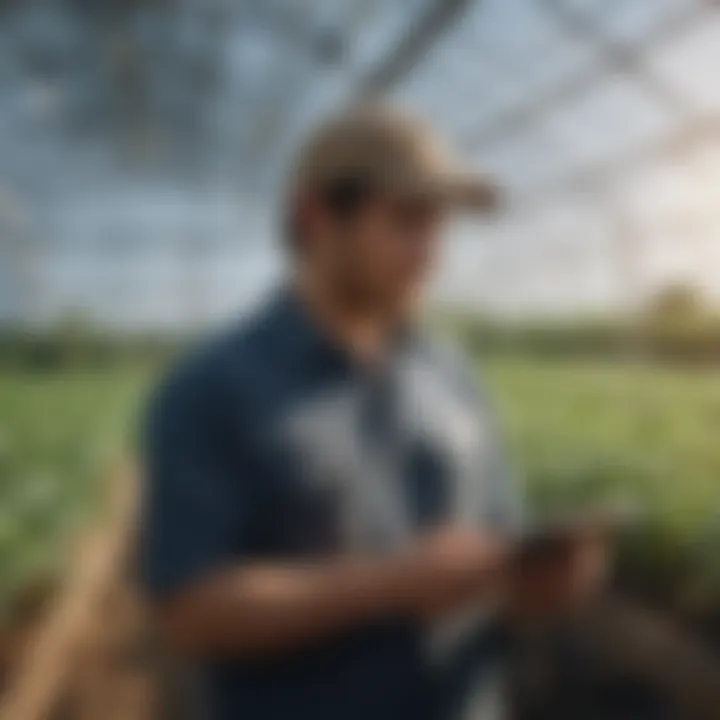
[[464, 191], [472, 193]]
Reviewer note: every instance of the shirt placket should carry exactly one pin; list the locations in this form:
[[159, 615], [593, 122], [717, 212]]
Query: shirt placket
[[383, 453]]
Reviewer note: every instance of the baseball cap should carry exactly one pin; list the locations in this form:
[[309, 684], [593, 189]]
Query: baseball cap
[[390, 149]]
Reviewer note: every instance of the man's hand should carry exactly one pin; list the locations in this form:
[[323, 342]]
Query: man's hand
[[454, 565], [557, 580]]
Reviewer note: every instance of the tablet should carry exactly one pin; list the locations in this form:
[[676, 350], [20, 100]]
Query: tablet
[[557, 534]]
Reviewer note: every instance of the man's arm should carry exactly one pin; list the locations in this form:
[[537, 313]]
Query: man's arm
[[262, 610]]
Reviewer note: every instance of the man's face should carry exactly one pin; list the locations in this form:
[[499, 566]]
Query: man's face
[[383, 253]]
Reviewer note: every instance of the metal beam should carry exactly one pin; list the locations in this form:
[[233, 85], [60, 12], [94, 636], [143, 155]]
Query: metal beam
[[284, 89], [518, 117], [620, 56], [421, 36]]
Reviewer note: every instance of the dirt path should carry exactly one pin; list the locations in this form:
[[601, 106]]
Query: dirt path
[[75, 655]]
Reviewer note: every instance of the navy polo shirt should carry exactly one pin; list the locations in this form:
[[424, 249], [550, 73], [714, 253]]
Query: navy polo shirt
[[273, 443]]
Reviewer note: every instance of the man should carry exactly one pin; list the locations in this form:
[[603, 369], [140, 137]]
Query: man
[[324, 486]]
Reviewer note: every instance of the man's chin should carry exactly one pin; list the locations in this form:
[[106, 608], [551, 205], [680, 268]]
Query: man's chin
[[402, 305]]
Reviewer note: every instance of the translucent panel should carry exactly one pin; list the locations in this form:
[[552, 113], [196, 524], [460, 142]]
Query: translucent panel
[[630, 20], [614, 118], [675, 208], [477, 269], [556, 256], [569, 221], [464, 264], [566, 60], [593, 8], [529, 101], [566, 255], [680, 195], [532, 162], [458, 84], [526, 40], [518, 32], [459, 93], [691, 63], [519, 162], [388, 22]]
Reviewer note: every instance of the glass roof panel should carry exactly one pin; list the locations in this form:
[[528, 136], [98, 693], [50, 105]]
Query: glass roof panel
[[459, 91], [608, 120], [555, 254], [231, 86], [526, 42], [515, 32], [631, 20], [519, 162], [691, 62]]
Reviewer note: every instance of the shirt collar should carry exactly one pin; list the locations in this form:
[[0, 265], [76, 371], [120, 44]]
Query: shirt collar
[[308, 340]]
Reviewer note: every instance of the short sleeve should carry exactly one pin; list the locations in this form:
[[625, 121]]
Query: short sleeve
[[197, 499]]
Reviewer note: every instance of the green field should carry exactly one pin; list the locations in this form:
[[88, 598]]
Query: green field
[[581, 429], [59, 434], [578, 431], [583, 432]]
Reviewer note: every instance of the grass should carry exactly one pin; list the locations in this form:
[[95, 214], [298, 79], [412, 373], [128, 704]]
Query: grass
[[584, 429], [579, 431], [584, 432], [59, 434]]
